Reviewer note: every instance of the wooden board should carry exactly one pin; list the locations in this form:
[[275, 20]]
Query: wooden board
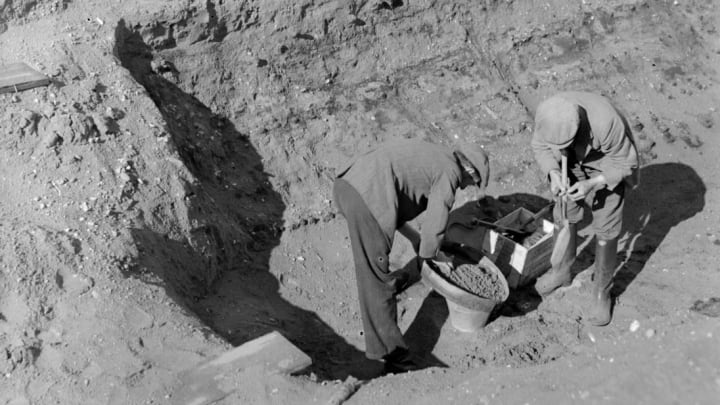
[[19, 76], [209, 382]]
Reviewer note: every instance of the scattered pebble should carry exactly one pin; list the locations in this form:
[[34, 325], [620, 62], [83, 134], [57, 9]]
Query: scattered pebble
[[649, 333], [706, 120], [634, 326], [709, 307]]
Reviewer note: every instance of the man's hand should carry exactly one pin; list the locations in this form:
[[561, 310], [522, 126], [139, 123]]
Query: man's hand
[[582, 189], [556, 186]]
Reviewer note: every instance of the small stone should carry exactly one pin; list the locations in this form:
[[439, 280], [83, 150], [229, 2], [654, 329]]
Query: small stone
[[706, 120], [52, 140], [114, 113], [74, 283], [649, 333], [634, 326]]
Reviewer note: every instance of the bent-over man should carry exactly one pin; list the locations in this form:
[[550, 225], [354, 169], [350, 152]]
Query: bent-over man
[[378, 193]]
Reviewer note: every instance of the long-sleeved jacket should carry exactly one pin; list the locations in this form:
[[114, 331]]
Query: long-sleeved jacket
[[401, 179], [603, 141]]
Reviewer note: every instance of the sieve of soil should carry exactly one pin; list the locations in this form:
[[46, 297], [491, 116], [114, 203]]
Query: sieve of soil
[[475, 279]]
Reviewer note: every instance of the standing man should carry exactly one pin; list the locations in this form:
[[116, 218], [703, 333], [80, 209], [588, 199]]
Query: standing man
[[378, 193], [602, 159]]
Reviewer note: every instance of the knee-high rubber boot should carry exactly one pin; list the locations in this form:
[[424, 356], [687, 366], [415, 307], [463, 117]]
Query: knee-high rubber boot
[[560, 275], [605, 262]]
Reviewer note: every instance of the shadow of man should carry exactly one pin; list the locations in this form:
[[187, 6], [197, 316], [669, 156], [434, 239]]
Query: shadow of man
[[424, 331], [668, 194], [226, 221]]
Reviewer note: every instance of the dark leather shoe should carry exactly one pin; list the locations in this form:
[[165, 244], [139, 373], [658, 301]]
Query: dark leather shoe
[[401, 361]]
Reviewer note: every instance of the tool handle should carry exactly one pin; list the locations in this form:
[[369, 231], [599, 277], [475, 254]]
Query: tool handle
[[536, 216], [495, 226], [563, 206]]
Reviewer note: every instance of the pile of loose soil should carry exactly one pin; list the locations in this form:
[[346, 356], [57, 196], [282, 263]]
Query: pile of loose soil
[[475, 279]]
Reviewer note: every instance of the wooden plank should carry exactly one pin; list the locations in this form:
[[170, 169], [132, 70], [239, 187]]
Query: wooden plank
[[520, 264], [212, 381], [19, 76]]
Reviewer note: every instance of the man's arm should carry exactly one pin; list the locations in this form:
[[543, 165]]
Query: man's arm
[[620, 158], [411, 234], [441, 199], [544, 156]]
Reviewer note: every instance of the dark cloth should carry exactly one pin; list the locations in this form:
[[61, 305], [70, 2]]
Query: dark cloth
[[605, 204], [401, 179], [376, 284]]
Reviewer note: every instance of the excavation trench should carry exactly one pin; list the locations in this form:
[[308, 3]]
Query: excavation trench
[[261, 116], [264, 267], [201, 166]]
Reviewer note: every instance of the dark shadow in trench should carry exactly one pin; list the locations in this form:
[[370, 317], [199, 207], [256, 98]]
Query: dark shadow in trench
[[424, 332], [668, 194], [235, 219]]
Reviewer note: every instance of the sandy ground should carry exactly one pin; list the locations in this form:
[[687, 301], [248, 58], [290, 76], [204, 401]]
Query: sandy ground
[[167, 196]]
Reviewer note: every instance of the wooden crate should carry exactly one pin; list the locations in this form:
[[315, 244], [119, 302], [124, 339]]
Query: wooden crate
[[523, 262]]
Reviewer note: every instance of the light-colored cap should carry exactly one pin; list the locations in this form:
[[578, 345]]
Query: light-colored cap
[[556, 122]]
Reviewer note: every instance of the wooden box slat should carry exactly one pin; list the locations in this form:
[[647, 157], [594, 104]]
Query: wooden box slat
[[19, 76], [520, 264]]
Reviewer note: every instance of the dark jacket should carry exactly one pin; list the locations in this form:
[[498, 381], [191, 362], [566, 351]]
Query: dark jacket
[[401, 179]]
